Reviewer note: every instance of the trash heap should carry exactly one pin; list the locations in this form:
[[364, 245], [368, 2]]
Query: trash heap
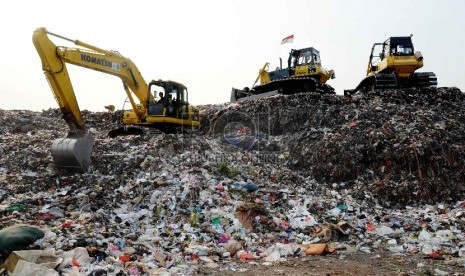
[[403, 145], [159, 204]]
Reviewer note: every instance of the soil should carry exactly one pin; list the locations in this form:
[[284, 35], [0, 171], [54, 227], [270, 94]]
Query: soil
[[339, 264]]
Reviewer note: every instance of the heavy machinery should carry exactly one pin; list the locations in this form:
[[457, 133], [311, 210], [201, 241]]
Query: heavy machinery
[[74, 151], [303, 74], [392, 64]]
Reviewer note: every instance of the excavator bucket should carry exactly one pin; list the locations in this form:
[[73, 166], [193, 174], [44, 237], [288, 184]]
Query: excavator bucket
[[73, 153]]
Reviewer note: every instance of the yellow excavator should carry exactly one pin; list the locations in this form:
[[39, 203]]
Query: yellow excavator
[[172, 112], [303, 74], [392, 65]]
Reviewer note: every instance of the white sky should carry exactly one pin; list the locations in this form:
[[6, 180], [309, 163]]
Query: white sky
[[211, 46]]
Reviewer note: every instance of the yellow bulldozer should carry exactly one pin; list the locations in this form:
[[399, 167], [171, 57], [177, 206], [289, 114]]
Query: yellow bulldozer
[[392, 65], [303, 74]]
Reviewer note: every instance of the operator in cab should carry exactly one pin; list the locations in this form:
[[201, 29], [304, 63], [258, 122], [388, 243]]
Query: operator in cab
[[161, 97]]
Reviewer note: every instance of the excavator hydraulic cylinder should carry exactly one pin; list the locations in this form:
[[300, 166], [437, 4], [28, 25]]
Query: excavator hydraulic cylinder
[[73, 153]]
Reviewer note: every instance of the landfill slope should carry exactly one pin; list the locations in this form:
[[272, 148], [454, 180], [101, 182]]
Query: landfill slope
[[176, 203], [403, 145]]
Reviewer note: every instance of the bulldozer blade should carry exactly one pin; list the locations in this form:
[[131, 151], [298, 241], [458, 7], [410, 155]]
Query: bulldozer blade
[[259, 96], [73, 153]]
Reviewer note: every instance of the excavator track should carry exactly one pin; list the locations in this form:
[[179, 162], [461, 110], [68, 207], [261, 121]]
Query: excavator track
[[124, 131], [137, 130]]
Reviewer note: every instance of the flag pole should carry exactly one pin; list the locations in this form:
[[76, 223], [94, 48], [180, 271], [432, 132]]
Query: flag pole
[[288, 39]]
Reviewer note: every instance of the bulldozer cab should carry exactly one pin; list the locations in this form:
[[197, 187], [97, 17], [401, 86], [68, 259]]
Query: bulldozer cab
[[304, 57], [393, 46], [399, 46], [378, 53], [301, 61]]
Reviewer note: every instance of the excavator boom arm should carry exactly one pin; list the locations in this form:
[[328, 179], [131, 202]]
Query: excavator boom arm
[[54, 61], [74, 152], [57, 75]]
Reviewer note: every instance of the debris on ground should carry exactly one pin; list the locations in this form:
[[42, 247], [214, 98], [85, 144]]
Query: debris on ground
[[266, 182]]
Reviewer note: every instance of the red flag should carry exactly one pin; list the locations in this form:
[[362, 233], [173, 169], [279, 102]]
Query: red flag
[[288, 39]]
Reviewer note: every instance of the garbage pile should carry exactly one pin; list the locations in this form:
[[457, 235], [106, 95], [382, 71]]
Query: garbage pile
[[242, 192], [403, 145]]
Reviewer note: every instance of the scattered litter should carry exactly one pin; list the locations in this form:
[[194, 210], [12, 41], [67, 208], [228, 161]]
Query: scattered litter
[[313, 175]]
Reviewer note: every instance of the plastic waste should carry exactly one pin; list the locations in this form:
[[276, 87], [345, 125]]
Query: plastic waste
[[20, 207], [245, 256], [273, 257], [224, 238], [384, 230], [76, 257]]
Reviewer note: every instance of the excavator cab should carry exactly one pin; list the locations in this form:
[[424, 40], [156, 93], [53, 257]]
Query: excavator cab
[[172, 111], [170, 96]]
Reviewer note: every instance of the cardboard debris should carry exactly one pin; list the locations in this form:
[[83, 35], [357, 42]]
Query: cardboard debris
[[317, 249], [27, 268], [38, 257]]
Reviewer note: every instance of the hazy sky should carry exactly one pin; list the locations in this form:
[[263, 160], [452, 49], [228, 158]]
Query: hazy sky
[[212, 46]]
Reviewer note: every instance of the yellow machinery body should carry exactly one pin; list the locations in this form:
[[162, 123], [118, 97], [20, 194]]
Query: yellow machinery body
[[392, 65], [303, 74], [74, 151]]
